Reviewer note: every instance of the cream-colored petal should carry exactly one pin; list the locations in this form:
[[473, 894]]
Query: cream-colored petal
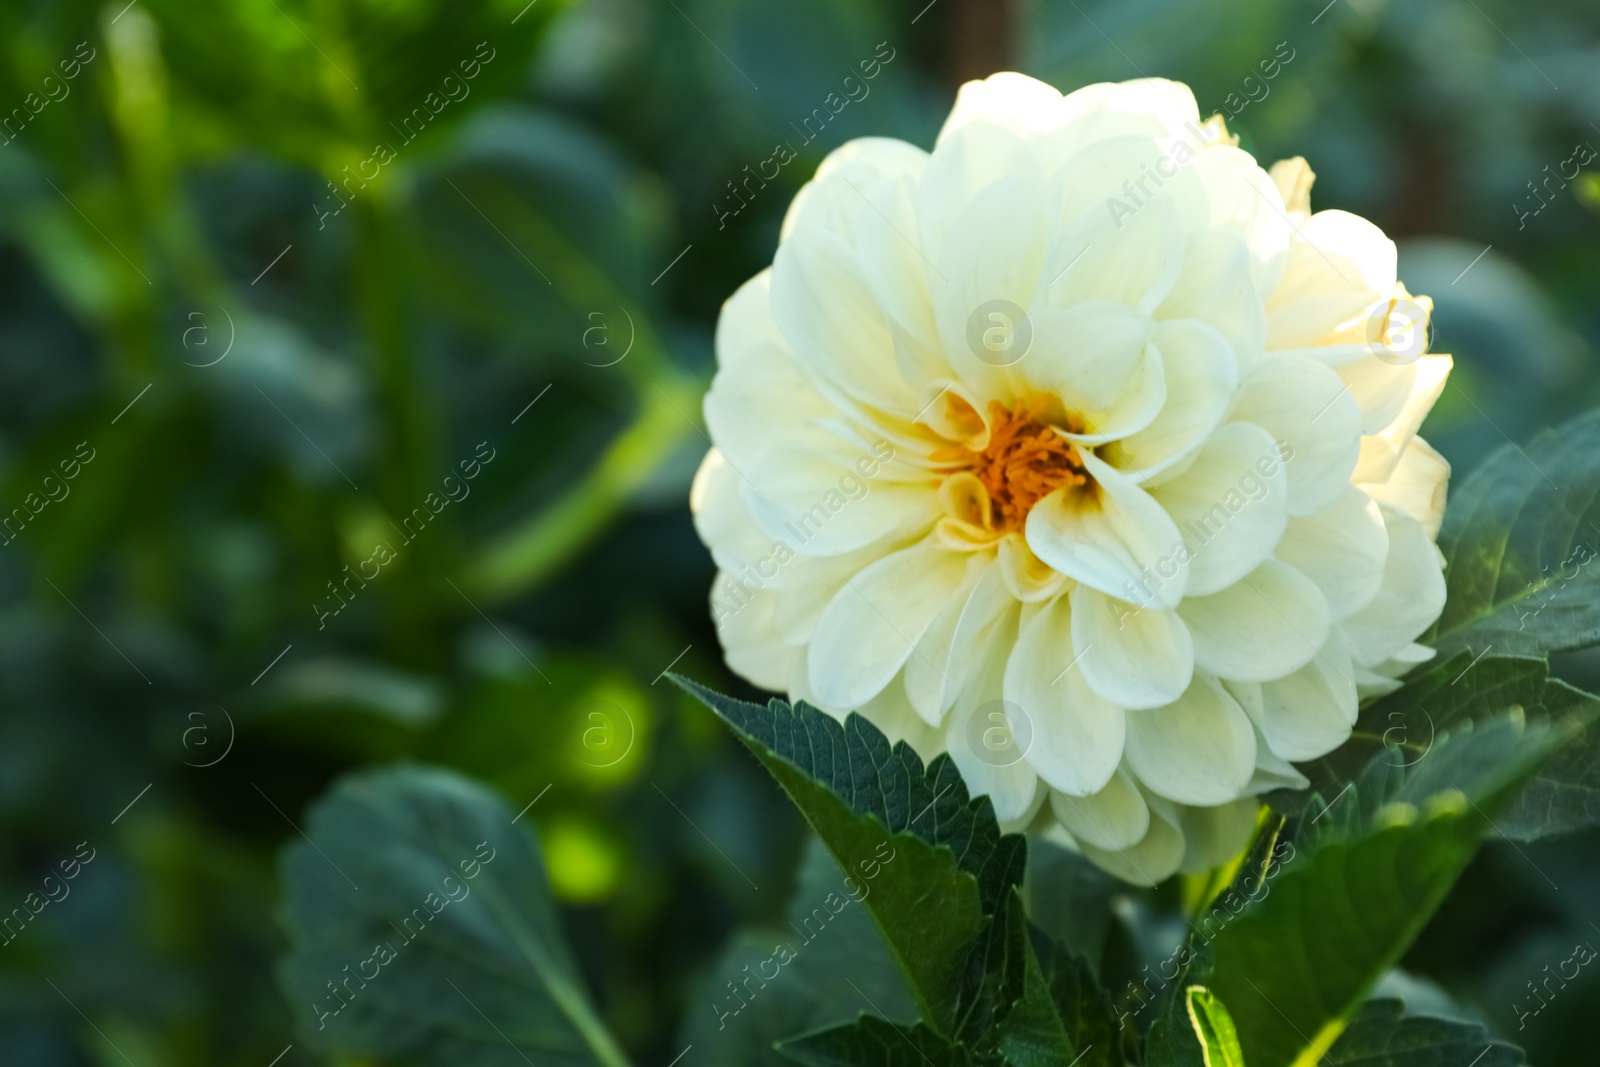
[[1131, 656], [1201, 375], [1075, 735], [1113, 817], [1341, 547], [1305, 406], [1156, 857], [871, 626], [1267, 624], [1381, 452], [1412, 595], [1310, 712], [1109, 537], [1417, 486], [1230, 506], [1094, 355], [1199, 749]]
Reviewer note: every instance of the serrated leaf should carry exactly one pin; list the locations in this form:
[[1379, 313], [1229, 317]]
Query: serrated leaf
[[1563, 794], [473, 972], [1371, 867], [872, 1042], [1381, 1035], [1010, 1009], [951, 867], [1520, 537], [1082, 1005], [1213, 1028]]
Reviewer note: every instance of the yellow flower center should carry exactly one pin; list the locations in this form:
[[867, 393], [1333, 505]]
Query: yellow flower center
[[1025, 460]]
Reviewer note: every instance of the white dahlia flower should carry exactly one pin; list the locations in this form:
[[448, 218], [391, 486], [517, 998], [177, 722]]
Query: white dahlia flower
[[1080, 449]]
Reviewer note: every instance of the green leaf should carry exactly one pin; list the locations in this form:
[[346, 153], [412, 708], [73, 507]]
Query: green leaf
[[1370, 867], [1562, 796], [1381, 1035], [1070, 898], [421, 928], [1082, 1005], [1520, 538], [945, 866], [1010, 1009], [872, 1042], [839, 967], [1213, 1027]]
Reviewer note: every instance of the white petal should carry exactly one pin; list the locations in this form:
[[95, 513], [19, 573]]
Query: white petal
[[1109, 536], [928, 682], [1152, 860], [1417, 486], [1308, 408], [1201, 374], [1230, 506], [1342, 548], [754, 648], [987, 270], [1094, 355], [1339, 267], [825, 309], [892, 713], [1381, 452], [1028, 577], [1112, 818], [1132, 656], [1076, 736], [1267, 624], [1199, 749], [834, 198], [1412, 595], [1017, 102], [1380, 388], [1309, 713], [988, 747], [869, 629], [1124, 254], [1215, 287]]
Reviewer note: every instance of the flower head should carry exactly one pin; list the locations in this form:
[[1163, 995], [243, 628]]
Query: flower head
[[1080, 449]]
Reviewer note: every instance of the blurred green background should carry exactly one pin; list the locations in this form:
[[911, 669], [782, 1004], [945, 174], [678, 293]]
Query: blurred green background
[[287, 271]]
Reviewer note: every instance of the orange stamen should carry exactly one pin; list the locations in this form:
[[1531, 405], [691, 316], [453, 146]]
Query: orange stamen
[[1025, 461]]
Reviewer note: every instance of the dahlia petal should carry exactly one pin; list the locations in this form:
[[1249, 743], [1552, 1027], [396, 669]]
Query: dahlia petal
[[928, 682], [1199, 749], [871, 626], [1305, 405], [1338, 269], [1131, 656], [1076, 736], [1021, 104], [1230, 506], [1215, 287], [824, 307], [1267, 624], [1381, 452], [1113, 817], [1341, 547], [1201, 374], [1380, 388], [1155, 858], [1412, 595], [751, 643], [1095, 355], [1130, 256], [833, 199], [1309, 713], [1109, 537], [982, 738], [1416, 486]]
